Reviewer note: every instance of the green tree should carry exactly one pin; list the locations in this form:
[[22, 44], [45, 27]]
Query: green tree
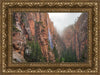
[[56, 54], [62, 59], [83, 58], [43, 59], [36, 54], [68, 55]]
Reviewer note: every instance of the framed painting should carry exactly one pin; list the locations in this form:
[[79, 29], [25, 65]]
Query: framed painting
[[49, 37]]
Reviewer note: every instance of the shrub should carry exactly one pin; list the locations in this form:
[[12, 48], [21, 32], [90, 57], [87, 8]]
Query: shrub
[[15, 29], [36, 54]]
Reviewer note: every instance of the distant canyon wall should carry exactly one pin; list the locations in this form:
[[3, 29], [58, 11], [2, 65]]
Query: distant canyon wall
[[76, 35]]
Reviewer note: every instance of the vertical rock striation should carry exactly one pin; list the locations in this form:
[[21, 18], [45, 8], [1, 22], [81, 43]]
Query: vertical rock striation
[[76, 35], [31, 25]]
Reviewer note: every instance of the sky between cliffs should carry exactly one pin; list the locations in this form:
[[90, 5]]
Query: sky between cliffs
[[62, 20]]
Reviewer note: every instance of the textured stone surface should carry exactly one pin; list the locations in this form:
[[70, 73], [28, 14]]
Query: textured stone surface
[[17, 57], [76, 35], [33, 25]]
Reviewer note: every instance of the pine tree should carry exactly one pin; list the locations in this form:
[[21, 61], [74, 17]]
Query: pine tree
[[56, 54], [36, 54]]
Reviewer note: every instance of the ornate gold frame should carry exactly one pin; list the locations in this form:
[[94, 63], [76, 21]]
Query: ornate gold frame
[[60, 6]]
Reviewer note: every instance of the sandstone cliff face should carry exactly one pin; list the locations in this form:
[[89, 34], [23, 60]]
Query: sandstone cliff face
[[31, 25]]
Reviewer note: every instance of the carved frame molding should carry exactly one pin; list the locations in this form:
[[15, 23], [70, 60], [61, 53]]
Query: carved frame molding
[[58, 6]]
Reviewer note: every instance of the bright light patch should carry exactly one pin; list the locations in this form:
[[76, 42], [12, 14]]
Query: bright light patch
[[62, 20]]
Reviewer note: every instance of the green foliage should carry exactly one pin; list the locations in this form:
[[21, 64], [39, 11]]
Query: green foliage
[[39, 22], [57, 60], [49, 47], [22, 20], [42, 30], [68, 55], [36, 54], [83, 57], [62, 59], [56, 54], [15, 29], [43, 59], [43, 26], [23, 17], [14, 20]]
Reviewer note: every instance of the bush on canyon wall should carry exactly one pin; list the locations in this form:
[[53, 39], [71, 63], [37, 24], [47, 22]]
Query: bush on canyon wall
[[15, 29]]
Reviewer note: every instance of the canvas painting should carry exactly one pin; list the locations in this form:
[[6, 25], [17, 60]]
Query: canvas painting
[[53, 37]]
